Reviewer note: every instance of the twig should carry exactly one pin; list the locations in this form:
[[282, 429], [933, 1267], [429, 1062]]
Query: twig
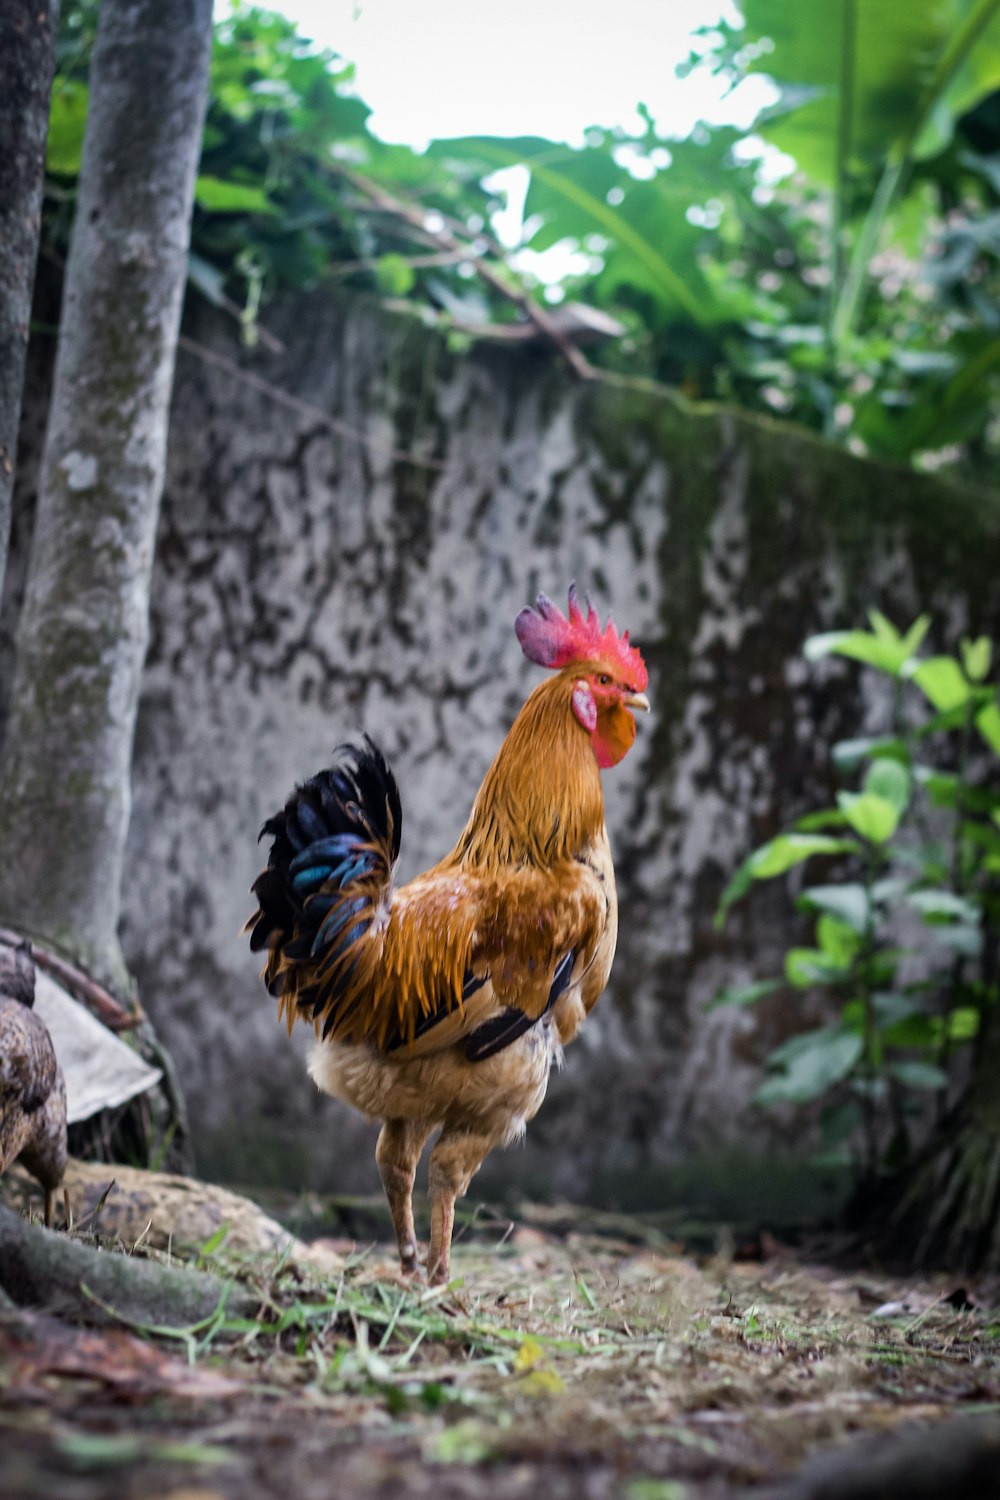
[[345, 268], [264, 335], [304, 408], [496, 333], [449, 240]]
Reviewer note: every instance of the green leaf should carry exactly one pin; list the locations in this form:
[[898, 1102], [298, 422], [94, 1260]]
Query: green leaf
[[890, 1008], [67, 122], [818, 1061], [942, 682], [890, 888], [981, 836], [829, 817], [563, 189], [848, 903], [219, 196], [394, 275], [745, 994], [849, 753], [878, 84], [942, 787], [739, 883], [917, 1075], [945, 722], [963, 1023], [943, 906], [802, 1041], [962, 938], [977, 658], [914, 637], [790, 849], [988, 724], [916, 1030], [870, 815], [838, 940], [878, 75], [215, 1240], [954, 412], [805, 967], [859, 645], [883, 627], [889, 779]]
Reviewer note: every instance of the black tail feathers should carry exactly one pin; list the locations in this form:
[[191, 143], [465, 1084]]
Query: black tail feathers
[[334, 845]]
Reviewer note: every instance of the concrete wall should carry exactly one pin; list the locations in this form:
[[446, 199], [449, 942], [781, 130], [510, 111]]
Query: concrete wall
[[312, 581]]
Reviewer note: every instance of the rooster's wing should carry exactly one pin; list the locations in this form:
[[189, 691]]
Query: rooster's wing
[[523, 937]]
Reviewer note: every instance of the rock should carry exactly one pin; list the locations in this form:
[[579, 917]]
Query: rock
[[167, 1211]]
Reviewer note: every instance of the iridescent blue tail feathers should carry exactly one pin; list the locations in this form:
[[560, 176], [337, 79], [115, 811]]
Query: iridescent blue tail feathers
[[329, 874]]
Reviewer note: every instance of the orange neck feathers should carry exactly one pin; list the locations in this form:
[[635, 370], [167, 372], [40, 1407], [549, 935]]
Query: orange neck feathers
[[541, 799]]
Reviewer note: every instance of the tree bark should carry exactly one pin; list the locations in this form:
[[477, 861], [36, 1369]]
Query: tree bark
[[82, 637], [28, 28]]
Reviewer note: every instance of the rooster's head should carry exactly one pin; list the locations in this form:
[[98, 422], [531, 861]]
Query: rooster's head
[[606, 677]]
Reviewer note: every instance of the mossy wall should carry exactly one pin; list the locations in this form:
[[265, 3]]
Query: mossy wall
[[357, 561]]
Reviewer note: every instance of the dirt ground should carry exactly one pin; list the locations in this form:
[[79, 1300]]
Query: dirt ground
[[569, 1364]]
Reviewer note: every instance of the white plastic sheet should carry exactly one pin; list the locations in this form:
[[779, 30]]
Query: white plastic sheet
[[101, 1072]]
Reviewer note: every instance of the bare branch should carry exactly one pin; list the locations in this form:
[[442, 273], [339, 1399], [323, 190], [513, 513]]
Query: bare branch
[[449, 240]]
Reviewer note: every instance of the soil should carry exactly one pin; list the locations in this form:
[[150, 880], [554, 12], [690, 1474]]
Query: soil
[[564, 1360]]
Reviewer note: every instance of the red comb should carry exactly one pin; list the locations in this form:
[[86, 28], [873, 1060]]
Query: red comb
[[551, 639]]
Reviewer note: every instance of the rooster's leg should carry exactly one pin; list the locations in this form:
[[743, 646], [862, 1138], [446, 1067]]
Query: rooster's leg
[[454, 1161], [397, 1152]]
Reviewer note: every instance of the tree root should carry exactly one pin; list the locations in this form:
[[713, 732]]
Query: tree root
[[40, 1269]]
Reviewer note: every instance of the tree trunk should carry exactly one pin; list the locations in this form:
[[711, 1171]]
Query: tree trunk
[[28, 29], [82, 637]]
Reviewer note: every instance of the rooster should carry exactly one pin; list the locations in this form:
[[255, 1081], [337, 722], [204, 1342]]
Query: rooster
[[444, 1003]]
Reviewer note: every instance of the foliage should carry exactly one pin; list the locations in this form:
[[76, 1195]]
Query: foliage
[[890, 110], [281, 201], [907, 925], [857, 295]]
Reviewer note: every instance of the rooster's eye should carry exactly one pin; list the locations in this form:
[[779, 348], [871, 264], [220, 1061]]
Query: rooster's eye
[[604, 679]]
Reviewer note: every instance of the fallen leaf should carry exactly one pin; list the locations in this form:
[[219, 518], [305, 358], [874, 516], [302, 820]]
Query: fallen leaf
[[37, 1346]]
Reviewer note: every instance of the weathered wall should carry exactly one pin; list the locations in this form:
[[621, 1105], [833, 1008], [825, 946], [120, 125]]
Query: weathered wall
[[310, 582]]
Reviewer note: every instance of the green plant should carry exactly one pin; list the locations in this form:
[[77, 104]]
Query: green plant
[[282, 199], [856, 295], [907, 920]]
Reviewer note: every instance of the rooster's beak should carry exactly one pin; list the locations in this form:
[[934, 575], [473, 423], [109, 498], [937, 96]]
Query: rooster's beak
[[636, 700]]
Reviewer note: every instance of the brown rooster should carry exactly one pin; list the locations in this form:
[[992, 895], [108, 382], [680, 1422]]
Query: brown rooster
[[446, 1002]]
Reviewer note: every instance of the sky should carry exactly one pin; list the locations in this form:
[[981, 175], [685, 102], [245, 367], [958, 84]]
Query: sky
[[434, 68]]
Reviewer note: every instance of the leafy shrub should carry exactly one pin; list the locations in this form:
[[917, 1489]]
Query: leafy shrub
[[917, 849]]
